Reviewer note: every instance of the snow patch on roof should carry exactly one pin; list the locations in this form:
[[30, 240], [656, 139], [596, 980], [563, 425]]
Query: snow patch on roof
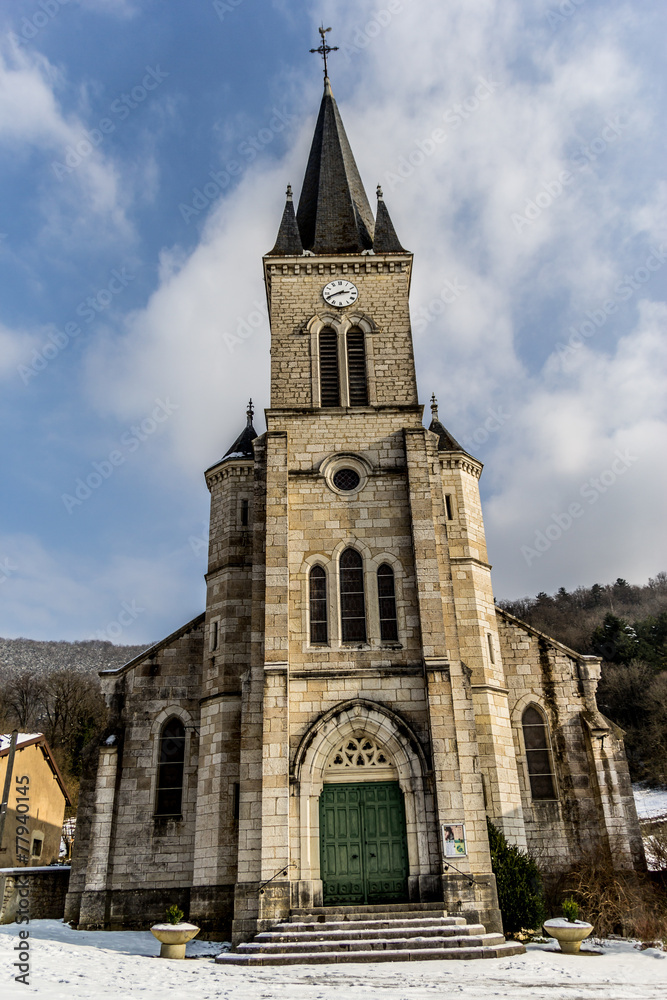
[[6, 738]]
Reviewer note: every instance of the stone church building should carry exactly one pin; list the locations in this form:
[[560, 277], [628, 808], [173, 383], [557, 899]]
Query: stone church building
[[336, 727]]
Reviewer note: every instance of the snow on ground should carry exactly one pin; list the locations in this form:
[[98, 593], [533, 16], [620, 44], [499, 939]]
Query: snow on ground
[[84, 965], [650, 802]]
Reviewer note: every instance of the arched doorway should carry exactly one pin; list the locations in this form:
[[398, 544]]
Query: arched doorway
[[363, 835]]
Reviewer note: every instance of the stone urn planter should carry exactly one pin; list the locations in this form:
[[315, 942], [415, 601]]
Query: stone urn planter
[[568, 933], [173, 938]]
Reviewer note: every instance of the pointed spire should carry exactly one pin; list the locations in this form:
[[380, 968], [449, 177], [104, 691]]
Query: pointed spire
[[288, 241], [334, 215], [385, 240], [445, 440], [242, 447]]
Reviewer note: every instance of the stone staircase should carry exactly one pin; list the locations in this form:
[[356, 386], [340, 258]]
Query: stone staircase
[[401, 932]]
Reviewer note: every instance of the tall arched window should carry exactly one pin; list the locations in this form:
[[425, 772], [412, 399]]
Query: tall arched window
[[387, 603], [329, 378], [356, 367], [352, 602], [170, 769], [318, 606], [538, 754]]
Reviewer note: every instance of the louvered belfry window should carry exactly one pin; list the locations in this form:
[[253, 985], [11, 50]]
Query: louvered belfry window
[[170, 769], [387, 602], [352, 602], [329, 378], [538, 754], [356, 367], [318, 606]]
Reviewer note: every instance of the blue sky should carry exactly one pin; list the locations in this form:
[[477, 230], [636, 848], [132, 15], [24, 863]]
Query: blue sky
[[144, 152]]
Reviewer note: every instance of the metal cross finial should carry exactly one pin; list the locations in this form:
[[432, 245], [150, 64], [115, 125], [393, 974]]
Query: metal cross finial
[[325, 49], [379, 193], [434, 406], [250, 412]]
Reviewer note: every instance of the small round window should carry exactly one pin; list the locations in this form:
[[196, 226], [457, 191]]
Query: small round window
[[346, 479]]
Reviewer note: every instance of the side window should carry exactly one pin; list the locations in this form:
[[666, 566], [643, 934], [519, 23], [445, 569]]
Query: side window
[[538, 754], [352, 600], [387, 603], [170, 769], [329, 377], [318, 606], [356, 367]]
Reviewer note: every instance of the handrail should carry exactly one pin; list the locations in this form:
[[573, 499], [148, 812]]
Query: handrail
[[290, 864], [466, 875]]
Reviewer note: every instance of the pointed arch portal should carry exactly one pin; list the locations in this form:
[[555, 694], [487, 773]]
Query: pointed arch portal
[[359, 772]]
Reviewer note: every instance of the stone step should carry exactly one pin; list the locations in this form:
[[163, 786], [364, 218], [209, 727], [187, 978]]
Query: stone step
[[481, 940], [371, 925], [384, 931], [504, 950], [367, 910]]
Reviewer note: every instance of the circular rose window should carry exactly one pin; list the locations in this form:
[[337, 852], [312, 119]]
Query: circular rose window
[[346, 479]]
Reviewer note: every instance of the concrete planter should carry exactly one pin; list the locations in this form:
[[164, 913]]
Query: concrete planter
[[173, 938], [568, 934]]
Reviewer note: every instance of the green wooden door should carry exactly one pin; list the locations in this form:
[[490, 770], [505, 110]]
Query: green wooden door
[[363, 847]]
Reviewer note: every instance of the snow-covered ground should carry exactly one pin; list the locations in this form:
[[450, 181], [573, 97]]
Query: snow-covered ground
[[82, 965], [651, 802]]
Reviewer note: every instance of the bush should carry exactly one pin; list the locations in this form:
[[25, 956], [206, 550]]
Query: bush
[[570, 909], [174, 914], [617, 901], [519, 884]]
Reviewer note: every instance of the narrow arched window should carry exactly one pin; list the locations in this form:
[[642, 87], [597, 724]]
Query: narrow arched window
[[329, 378], [387, 603], [170, 769], [318, 606], [538, 754], [356, 367], [352, 602]]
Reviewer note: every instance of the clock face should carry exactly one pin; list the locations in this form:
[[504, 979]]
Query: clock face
[[340, 293]]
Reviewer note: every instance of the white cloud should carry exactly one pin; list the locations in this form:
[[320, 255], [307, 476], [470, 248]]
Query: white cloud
[[14, 349], [81, 185]]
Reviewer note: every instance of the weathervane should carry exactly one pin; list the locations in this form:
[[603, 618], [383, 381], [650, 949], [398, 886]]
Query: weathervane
[[325, 49]]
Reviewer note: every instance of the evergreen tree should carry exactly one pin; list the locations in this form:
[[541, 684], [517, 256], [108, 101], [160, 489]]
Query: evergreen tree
[[519, 884]]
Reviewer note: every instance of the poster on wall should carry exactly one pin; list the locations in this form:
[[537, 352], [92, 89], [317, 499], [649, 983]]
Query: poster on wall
[[454, 840]]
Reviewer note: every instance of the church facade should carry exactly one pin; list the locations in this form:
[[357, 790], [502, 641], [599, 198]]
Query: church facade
[[339, 723]]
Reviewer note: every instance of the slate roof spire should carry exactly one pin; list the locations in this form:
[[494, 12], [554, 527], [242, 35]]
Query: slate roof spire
[[242, 447], [385, 238], [334, 215], [288, 242], [445, 440]]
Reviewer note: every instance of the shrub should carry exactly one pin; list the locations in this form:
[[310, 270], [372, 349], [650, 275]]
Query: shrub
[[570, 909], [519, 884], [174, 914]]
